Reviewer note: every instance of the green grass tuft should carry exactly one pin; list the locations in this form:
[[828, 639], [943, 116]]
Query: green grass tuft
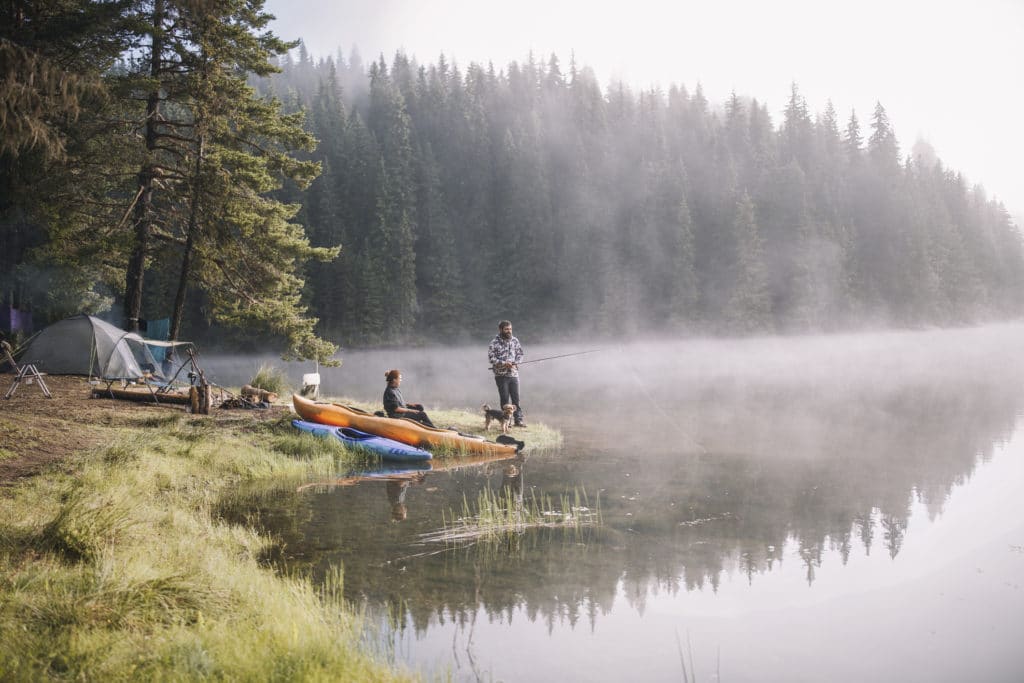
[[271, 378], [84, 525], [306, 446], [165, 421], [125, 449]]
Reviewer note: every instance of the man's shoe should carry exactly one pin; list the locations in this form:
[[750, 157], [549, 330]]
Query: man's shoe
[[519, 424]]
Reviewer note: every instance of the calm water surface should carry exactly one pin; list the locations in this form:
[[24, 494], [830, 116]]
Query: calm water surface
[[841, 508]]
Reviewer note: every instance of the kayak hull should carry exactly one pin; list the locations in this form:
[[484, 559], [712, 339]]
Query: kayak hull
[[402, 430], [387, 449]]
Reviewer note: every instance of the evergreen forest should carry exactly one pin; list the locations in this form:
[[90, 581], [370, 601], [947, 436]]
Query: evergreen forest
[[175, 159]]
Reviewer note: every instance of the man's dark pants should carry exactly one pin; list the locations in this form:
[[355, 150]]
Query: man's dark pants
[[508, 391]]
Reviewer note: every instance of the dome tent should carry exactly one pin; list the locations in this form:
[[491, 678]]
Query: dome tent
[[86, 345]]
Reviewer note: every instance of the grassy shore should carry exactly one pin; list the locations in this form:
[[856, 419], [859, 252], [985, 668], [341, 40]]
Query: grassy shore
[[117, 570], [114, 567]]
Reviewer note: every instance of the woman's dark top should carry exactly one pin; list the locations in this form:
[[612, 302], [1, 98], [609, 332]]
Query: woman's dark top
[[392, 400]]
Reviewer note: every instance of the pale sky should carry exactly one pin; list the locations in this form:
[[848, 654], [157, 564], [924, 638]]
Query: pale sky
[[949, 71]]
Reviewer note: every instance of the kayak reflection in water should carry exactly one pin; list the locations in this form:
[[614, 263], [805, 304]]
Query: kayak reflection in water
[[396, 490]]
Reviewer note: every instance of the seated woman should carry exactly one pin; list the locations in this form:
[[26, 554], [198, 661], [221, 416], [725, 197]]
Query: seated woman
[[395, 405]]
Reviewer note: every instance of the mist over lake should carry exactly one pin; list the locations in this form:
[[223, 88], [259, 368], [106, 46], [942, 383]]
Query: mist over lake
[[840, 507]]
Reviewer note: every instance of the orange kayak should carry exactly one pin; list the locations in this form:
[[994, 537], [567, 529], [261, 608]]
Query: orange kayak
[[399, 429]]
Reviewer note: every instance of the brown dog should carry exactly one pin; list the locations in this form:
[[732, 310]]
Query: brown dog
[[503, 417]]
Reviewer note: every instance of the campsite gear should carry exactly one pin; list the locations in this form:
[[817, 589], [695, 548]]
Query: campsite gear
[[564, 355], [86, 345], [27, 373], [239, 403], [387, 449], [201, 389], [399, 429]]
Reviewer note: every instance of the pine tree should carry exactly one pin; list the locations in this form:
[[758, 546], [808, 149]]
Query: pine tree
[[737, 137], [671, 281], [749, 305], [882, 146], [166, 142], [440, 279], [853, 142], [328, 284], [830, 142], [394, 230], [797, 137], [356, 190], [762, 142], [215, 151]]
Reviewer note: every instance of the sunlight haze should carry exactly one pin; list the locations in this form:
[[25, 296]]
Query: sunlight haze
[[947, 72]]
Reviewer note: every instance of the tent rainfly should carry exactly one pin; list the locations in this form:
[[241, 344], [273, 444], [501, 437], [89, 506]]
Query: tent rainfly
[[85, 345]]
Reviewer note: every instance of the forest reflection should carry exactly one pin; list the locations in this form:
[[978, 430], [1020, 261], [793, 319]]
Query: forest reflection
[[719, 474]]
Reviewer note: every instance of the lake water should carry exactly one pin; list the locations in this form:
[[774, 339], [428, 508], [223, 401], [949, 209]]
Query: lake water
[[840, 508]]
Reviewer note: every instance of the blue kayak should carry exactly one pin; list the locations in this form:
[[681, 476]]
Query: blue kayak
[[387, 449]]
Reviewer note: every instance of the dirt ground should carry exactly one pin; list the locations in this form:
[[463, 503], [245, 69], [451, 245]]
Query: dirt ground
[[38, 433]]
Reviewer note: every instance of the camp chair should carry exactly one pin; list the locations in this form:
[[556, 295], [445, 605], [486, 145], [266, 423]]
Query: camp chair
[[26, 373]]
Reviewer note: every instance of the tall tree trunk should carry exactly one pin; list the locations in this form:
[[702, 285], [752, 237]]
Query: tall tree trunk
[[186, 259], [142, 212]]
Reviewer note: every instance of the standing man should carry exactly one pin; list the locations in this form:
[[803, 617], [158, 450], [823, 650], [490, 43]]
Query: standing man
[[505, 353]]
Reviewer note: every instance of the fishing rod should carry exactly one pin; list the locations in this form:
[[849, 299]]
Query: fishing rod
[[564, 355]]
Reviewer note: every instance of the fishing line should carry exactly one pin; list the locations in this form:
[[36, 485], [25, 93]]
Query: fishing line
[[564, 355], [672, 419]]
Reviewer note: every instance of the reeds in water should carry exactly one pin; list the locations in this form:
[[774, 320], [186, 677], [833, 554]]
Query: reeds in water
[[503, 516]]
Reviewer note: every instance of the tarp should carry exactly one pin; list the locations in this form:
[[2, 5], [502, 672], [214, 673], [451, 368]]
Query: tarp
[[86, 345], [157, 330]]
